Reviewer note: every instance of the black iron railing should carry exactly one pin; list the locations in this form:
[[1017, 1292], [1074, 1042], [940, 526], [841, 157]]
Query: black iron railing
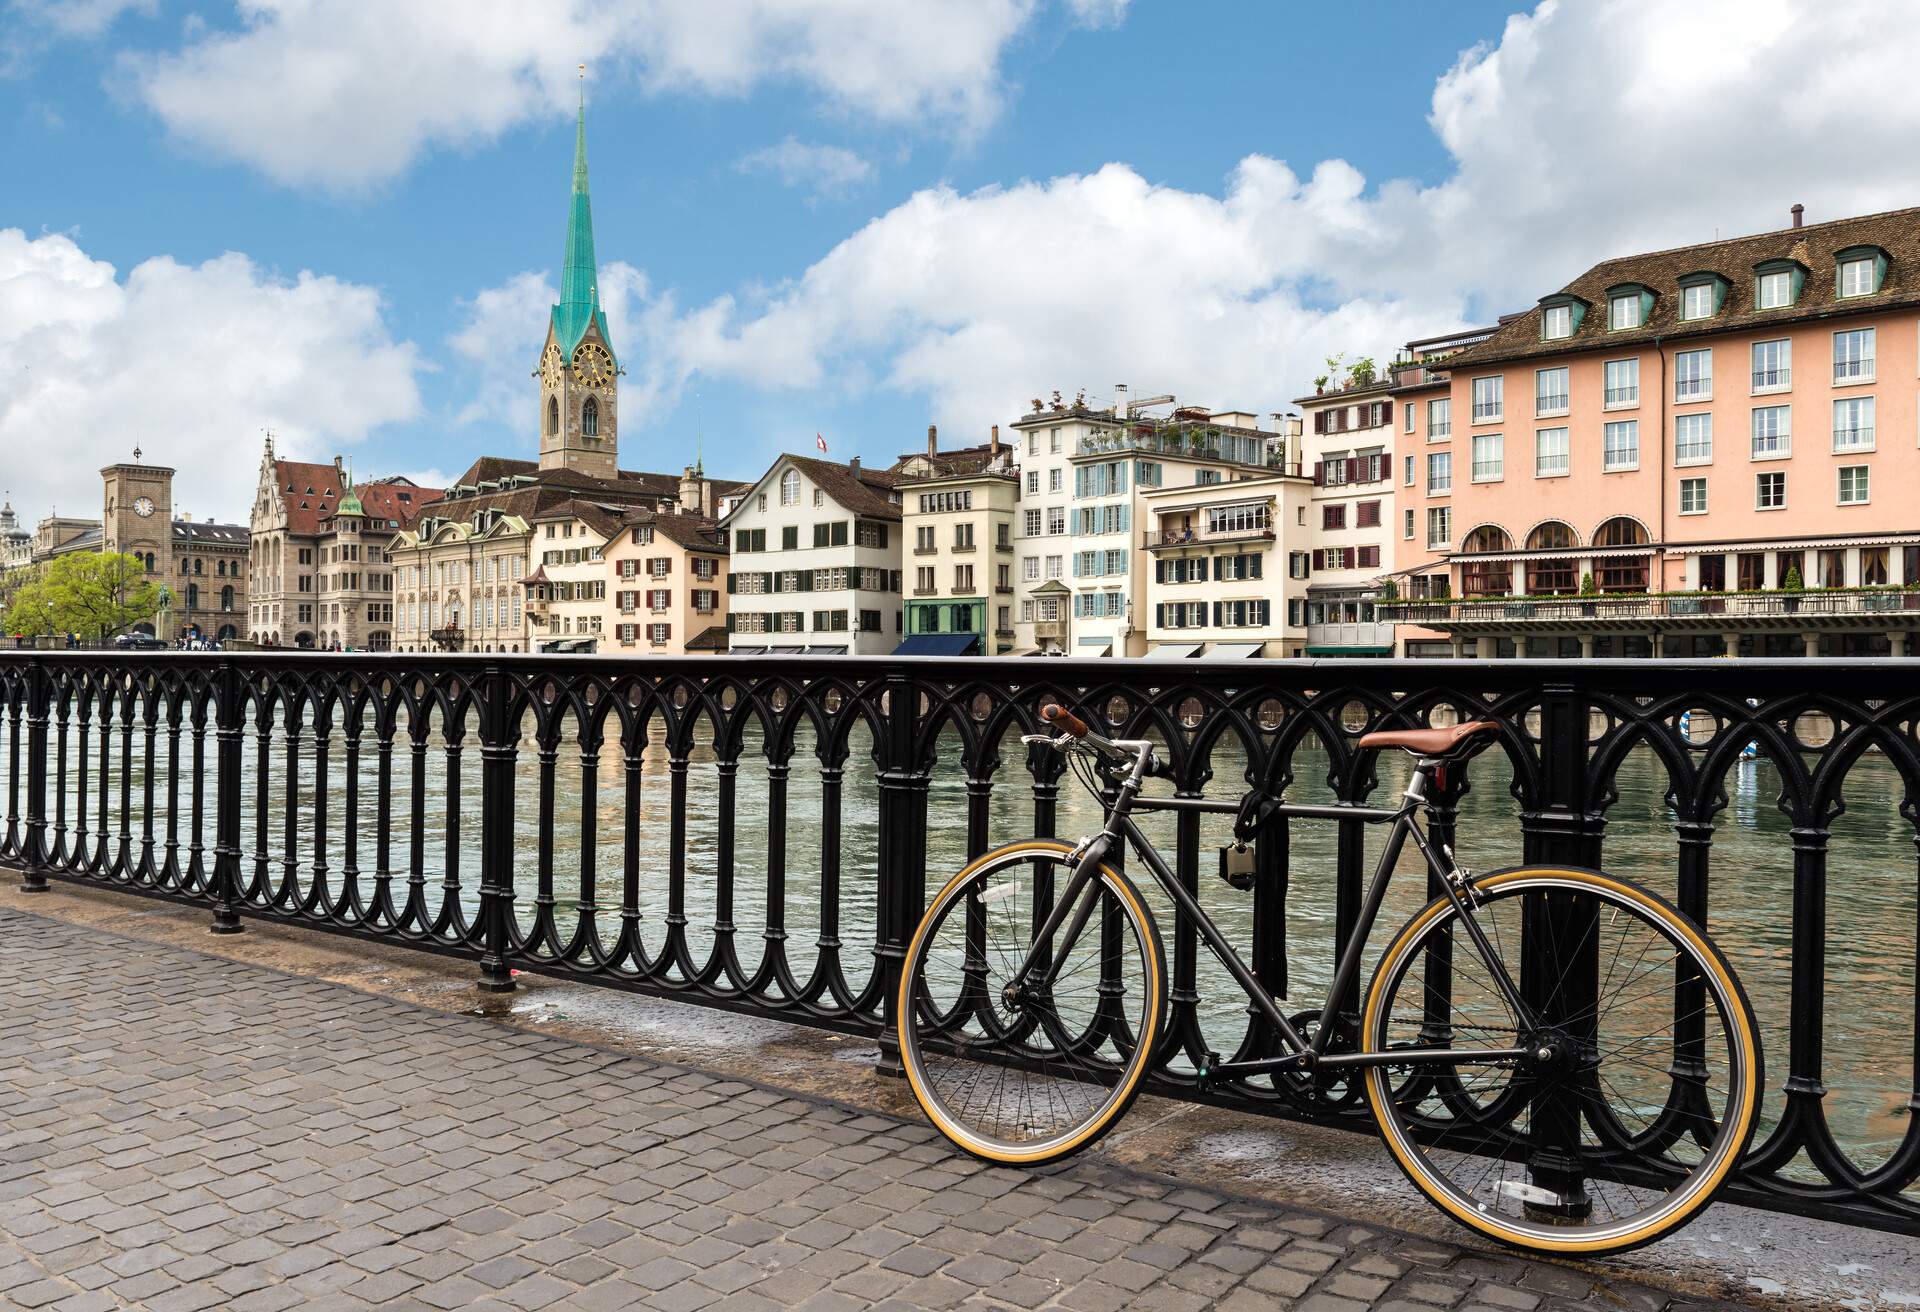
[[458, 804]]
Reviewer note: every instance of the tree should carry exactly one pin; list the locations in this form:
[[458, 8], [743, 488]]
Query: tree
[[1587, 586], [97, 594], [1363, 371], [1792, 582]]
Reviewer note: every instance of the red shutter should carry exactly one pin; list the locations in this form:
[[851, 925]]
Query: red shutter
[[1353, 469], [1319, 473], [1319, 559]]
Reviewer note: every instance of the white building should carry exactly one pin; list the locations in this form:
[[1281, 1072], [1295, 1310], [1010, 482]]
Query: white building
[[815, 563], [1083, 475], [1222, 581]]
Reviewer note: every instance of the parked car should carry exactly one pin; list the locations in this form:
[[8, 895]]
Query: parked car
[[140, 642]]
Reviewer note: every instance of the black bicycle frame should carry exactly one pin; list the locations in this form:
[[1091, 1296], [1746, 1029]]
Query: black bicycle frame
[[1080, 899]]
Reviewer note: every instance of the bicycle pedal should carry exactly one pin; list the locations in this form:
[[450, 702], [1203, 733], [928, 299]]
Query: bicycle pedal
[[1204, 1071]]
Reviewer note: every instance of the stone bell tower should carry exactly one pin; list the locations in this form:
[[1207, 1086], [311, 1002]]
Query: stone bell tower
[[138, 512], [579, 373]]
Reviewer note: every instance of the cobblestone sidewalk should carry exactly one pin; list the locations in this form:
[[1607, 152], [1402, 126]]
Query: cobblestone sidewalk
[[183, 1132]]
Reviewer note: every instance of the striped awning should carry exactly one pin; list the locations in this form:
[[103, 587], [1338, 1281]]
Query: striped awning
[[1806, 544]]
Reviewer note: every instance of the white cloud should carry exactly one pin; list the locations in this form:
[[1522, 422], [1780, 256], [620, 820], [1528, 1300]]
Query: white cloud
[[346, 95], [823, 170], [190, 362], [1587, 132], [1098, 13], [29, 27]]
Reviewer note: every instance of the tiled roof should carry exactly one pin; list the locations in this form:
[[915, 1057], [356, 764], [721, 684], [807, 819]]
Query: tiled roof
[[310, 493], [712, 638], [693, 532], [210, 534], [863, 494], [1814, 247], [604, 520]]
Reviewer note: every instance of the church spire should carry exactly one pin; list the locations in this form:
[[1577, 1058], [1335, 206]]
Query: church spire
[[579, 276]]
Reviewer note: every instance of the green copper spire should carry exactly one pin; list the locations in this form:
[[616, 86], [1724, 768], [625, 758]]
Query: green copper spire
[[579, 276]]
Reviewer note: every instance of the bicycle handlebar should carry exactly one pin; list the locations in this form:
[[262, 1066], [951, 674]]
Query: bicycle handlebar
[[1064, 720]]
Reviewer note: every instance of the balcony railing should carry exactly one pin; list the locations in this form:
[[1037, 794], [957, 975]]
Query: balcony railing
[[1794, 609], [1199, 537], [1621, 396], [458, 805]]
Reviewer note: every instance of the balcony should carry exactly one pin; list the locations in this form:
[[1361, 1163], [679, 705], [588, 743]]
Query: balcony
[[1161, 539], [1049, 630], [1718, 612], [1348, 638]]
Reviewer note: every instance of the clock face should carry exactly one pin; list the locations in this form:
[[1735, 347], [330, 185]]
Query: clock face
[[551, 367], [594, 366], [143, 506]]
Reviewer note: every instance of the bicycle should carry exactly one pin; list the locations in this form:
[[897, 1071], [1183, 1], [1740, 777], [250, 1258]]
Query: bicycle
[[1591, 1106]]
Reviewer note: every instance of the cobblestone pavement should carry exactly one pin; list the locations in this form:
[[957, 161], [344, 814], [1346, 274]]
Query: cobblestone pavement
[[183, 1132]]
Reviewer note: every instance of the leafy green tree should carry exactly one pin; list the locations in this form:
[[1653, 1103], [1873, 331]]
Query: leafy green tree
[[1792, 582], [95, 594], [1588, 588]]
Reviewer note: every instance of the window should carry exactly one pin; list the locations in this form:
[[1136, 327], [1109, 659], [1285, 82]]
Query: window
[[1030, 568], [1693, 439], [1773, 365], [1750, 570], [819, 497], [553, 415], [1409, 419], [1711, 574], [1410, 468], [1774, 289], [1853, 356], [1033, 481], [923, 542], [1056, 566], [1696, 301], [1693, 376], [1550, 391], [1489, 399], [1439, 472], [1693, 496], [1439, 420], [1406, 529], [1621, 383], [1055, 479], [963, 537], [790, 538], [1489, 457], [1623, 311], [1366, 514], [1334, 516], [1551, 574], [963, 578], [1853, 424], [1556, 321], [790, 488], [1772, 432], [1297, 563], [1552, 453], [1854, 490], [1833, 569], [1030, 523], [1873, 567], [1857, 276], [1056, 519], [1439, 525], [1053, 440], [590, 418], [1620, 445]]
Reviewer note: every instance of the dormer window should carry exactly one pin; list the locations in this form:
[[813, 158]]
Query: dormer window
[[1701, 296], [1860, 270], [1628, 306], [1777, 284], [1560, 316]]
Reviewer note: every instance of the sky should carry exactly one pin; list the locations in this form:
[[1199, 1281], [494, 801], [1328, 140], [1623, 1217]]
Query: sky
[[343, 221]]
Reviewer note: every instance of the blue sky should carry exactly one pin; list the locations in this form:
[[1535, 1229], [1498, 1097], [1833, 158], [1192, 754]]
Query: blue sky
[[807, 218]]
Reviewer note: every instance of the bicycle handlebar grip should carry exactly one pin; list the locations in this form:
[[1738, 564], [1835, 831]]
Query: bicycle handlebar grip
[[1064, 720]]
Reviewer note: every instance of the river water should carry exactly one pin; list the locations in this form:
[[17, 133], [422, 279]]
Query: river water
[[1871, 894]]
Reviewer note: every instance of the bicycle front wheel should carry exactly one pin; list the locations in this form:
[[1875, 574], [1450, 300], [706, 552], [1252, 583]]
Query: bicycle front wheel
[[1640, 1081], [1032, 1075]]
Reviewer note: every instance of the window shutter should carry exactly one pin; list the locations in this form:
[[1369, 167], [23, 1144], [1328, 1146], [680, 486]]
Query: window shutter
[[1319, 473], [1159, 571], [1219, 613], [1319, 559], [1160, 615], [1353, 469]]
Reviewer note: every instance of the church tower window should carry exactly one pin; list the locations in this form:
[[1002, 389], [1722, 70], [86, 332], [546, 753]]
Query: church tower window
[[590, 418], [553, 415]]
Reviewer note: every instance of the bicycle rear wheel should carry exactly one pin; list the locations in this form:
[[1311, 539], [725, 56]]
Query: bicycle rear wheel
[[1036, 1077], [1647, 1100]]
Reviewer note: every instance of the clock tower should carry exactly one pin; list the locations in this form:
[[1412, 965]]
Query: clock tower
[[138, 518], [579, 374]]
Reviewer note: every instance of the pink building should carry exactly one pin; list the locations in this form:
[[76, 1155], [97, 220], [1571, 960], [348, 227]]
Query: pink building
[[1703, 451]]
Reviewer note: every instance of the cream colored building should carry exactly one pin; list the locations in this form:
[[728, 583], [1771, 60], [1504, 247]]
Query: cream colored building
[[567, 590], [958, 512], [1223, 580], [667, 572]]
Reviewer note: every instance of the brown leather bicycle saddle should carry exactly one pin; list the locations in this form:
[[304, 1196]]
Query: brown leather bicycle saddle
[[1433, 742]]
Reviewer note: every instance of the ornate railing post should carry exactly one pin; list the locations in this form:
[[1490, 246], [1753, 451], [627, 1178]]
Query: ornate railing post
[[497, 750], [229, 724], [902, 894], [1559, 954], [33, 877]]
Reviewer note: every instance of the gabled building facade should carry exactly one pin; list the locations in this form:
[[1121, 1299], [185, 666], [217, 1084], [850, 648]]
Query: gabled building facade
[[958, 512]]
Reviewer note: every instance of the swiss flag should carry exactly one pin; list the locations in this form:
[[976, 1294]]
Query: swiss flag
[[820, 442]]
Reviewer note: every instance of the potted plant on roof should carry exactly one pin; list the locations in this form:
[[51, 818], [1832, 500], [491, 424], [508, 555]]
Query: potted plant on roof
[[1792, 585], [1363, 371]]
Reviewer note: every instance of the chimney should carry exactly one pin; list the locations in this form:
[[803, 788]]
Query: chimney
[[933, 440], [691, 488], [1799, 214], [1120, 402], [339, 467], [853, 466], [993, 443]]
